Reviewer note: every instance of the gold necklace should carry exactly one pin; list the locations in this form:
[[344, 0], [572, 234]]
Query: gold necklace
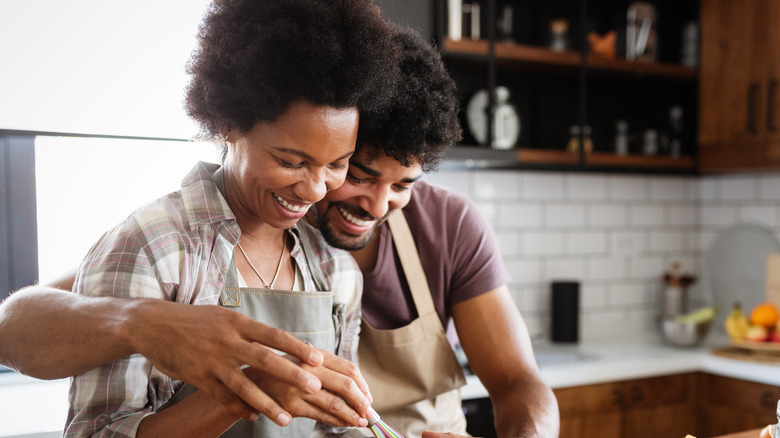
[[278, 268]]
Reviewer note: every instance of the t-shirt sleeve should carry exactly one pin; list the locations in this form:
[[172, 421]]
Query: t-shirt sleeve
[[476, 262]]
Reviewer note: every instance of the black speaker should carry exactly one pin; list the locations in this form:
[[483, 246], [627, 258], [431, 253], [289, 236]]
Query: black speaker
[[565, 311]]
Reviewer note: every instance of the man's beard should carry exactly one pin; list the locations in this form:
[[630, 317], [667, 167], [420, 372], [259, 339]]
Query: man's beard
[[343, 240]]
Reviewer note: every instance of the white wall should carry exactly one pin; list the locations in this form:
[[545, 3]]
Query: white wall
[[617, 234]]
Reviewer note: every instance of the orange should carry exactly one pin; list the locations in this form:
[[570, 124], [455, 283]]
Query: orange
[[765, 315]]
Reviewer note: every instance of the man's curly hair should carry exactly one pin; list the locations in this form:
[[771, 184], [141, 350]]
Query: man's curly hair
[[421, 122], [256, 57]]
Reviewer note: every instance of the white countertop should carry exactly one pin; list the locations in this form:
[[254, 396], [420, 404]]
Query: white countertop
[[567, 365], [32, 408]]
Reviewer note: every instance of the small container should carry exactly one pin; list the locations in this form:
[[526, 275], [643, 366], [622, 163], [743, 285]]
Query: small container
[[650, 142], [674, 297], [559, 30], [621, 137], [574, 138]]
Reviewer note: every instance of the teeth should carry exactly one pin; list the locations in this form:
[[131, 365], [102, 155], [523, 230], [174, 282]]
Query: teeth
[[285, 204], [353, 219]]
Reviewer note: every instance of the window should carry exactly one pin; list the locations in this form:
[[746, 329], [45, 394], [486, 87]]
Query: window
[[110, 73], [84, 186]]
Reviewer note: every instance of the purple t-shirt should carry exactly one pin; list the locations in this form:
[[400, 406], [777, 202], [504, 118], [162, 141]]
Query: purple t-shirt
[[458, 251]]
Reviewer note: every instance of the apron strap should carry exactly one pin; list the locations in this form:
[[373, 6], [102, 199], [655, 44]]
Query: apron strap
[[410, 261]]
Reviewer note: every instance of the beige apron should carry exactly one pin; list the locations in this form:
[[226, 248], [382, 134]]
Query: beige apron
[[412, 371], [309, 316]]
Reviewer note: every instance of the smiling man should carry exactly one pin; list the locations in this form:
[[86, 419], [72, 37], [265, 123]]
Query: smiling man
[[429, 259], [430, 263]]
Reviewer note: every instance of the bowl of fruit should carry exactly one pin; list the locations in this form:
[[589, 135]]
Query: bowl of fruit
[[690, 329], [756, 330]]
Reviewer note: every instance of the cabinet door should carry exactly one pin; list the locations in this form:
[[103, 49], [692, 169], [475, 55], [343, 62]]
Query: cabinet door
[[660, 407], [733, 85], [731, 405], [773, 83], [591, 411]]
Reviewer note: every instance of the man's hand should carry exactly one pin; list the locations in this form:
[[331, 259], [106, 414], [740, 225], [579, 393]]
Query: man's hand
[[343, 401], [206, 346]]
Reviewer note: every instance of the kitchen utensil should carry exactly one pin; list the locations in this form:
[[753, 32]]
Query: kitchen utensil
[[506, 122], [735, 268], [684, 333], [380, 429]]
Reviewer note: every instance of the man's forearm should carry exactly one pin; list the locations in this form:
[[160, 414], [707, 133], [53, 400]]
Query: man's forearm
[[529, 409], [49, 333]]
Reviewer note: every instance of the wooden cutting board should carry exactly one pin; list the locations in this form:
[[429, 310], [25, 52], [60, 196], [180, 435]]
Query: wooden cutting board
[[759, 356]]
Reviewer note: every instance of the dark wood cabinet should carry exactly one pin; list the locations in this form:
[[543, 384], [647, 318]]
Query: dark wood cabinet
[[700, 404], [739, 126], [653, 407], [731, 405], [555, 90]]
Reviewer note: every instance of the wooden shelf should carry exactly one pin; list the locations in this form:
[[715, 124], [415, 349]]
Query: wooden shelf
[[527, 54], [643, 161], [481, 157], [642, 68], [547, 156]]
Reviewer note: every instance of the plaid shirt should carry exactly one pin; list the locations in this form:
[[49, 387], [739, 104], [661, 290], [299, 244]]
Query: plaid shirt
[[178, 248]]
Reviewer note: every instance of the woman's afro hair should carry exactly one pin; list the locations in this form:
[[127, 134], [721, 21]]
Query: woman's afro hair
[[256, 57], [421, 122]]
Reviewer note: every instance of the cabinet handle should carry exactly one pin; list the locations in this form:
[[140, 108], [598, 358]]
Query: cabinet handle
[[767, 399], [770, 106], [752, 99], [617, 397], [637, 395]]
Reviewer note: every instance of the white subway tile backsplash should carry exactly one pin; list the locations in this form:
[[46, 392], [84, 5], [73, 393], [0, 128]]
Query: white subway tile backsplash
[[593, 296], [542, 243], [629, 188], [588, 242], [564, 269], [759, 215], [499, 185], [674, 189], [769, 187], [616, 234], [542, 186], [680, 215], [460, 181], [508, 243], [645, 267], [669, 242], [621, 295], [516, 215], [627, 243], [708, 188], [740, 187], [524, 271], [602, 215], [605, 268], [591, 187], [646, 215], [717, 216], [564, 215], [490, 211]]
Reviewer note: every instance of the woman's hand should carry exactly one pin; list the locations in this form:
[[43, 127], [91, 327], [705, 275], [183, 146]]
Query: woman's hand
[[206, 346], [343, 401]]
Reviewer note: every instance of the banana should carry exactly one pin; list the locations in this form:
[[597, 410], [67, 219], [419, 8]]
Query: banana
[[737, 323], [698, 316]]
